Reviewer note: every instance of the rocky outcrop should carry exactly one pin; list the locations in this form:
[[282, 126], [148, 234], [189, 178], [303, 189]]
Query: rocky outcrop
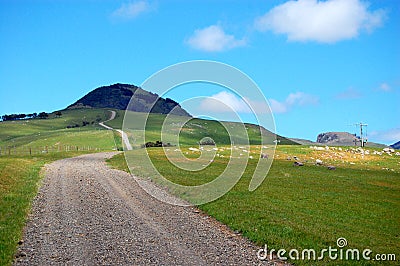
[[339, 138]]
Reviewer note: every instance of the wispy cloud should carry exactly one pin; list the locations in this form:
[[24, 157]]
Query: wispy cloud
[[387, 136], [292, 100], [349, 94], [321, 21], [131, 10], [213, 39], [224, 102], [385, 87]]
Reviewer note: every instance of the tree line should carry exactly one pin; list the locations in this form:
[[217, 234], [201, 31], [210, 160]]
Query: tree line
[[41, 115]]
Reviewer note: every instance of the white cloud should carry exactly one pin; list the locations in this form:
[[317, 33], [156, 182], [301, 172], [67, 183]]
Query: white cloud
[[321, 21], [131, 10], [349, 94], [224, 102], [278, 107], [385, 87], [213, 39], [293, 99], [389, 136]]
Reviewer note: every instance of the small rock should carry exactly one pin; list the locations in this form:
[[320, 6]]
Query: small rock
[[318, 162], [20, 254], [264, 156], [298, 164], [20, 242], [331, 167]]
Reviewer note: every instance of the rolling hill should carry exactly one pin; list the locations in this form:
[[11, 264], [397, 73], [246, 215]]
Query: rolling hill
[[78, 123], [76, 127], [79, 127], [193, 130]]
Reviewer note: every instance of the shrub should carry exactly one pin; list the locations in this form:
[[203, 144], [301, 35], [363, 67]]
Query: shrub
[[207, 141]]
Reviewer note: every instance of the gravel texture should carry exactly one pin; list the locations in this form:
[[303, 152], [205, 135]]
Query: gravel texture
[[88, 214]]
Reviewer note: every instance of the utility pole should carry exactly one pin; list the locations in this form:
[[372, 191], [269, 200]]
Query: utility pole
[[363, 138]]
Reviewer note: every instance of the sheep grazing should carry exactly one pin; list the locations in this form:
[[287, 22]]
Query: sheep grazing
[[318, 162]]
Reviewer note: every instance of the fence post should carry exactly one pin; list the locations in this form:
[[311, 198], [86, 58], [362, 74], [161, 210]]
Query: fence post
[[30, 151]]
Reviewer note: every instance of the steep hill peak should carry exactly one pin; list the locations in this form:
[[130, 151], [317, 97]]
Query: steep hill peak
[[118, 96]]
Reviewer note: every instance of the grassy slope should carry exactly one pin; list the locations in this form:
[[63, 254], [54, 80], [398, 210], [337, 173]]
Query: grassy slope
[[52, 132], [303, 207], [19, 179], [193, 130]]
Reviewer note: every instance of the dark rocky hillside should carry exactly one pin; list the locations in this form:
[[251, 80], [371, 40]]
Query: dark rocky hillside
[[117, 96], [396, 145]]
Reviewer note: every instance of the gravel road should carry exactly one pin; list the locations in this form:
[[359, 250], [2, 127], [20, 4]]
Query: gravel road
[[124, 136], [88, 214]]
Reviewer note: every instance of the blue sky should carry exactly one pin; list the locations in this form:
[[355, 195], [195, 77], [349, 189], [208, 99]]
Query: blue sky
[[322, 65]]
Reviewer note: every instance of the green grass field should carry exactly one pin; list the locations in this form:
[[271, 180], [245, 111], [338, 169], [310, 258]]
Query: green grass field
[[302, 207]]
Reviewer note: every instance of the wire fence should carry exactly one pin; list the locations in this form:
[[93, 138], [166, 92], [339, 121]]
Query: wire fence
[[9, 150]]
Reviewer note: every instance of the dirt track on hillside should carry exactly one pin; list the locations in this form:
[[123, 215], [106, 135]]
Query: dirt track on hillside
[[88, 214]]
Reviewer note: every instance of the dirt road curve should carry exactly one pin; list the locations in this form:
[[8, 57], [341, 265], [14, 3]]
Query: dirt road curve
[[124, 136], [88, 214]]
